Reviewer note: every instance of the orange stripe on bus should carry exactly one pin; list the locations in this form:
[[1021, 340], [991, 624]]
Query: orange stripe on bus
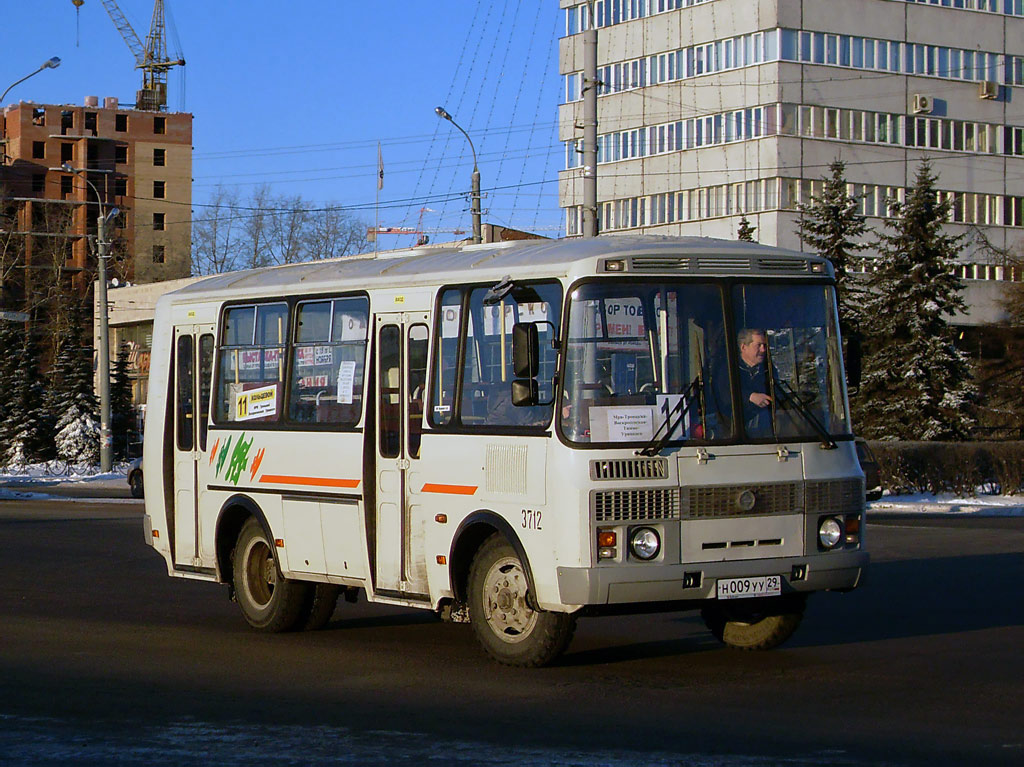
[[449, 489], [284, 479]]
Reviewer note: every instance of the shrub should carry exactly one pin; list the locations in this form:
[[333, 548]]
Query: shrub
[[963, 468]]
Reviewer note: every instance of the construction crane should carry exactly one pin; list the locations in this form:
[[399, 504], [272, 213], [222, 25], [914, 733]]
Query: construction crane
[[151, 58], [423, 235]]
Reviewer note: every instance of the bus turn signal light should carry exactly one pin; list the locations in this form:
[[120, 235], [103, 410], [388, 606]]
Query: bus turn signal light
[[606, 538]]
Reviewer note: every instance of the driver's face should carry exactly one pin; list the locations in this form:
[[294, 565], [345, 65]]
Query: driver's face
[[753, 353]]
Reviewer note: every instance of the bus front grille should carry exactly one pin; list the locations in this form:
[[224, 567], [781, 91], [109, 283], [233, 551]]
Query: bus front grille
[[722, 501], [659, 263], [629, 468], [635, 505], [835, 496]]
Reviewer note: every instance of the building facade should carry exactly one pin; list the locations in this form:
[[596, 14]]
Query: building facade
[[711, 110], [139, 162]]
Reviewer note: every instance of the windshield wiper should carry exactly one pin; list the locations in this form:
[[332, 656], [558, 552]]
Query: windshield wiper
[[791, 396], [672, 419]]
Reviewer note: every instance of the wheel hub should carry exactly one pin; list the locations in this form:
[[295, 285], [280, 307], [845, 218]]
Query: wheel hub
[[505, 605]]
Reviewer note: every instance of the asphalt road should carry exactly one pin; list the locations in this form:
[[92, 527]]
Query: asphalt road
[[103, 657]]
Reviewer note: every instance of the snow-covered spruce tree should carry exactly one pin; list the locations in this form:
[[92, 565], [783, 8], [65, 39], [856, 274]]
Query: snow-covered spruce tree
[[77, 437], [916, 383], [30, 432], [122, 414], [831, 227], [10, 342], [745, 231]]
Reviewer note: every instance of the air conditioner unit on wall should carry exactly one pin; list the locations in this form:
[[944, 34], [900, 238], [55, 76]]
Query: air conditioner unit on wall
[[922, 104], [988, 89]]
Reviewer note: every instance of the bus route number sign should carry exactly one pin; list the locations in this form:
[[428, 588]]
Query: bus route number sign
[[256, 403]]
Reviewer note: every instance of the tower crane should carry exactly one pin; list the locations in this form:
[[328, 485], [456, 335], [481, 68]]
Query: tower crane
[[151, 58]]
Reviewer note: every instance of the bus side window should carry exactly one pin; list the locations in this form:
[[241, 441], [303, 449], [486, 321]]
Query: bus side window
[[205, 385], [390, 385], [185, 388], [418, 336]]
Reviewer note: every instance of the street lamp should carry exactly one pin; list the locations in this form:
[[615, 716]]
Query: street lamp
[[475, 194], [48, 64], [52, 63], [106, 461]]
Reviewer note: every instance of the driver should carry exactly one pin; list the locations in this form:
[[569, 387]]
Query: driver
[[754, 383]]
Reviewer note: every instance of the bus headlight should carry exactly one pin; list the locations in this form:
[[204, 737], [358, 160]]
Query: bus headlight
[[830, 532], [644, 543]]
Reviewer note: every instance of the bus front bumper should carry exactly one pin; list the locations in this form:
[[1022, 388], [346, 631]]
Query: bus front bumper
[[631, 584]]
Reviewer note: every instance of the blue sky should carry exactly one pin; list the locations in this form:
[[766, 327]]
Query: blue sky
[[297, 95]]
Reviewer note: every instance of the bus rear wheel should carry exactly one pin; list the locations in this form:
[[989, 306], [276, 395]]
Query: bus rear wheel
[[504, 617], [757, 624], [268, 601]]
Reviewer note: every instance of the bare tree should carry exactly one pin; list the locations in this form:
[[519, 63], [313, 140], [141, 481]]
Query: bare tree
[[332, 233], [236, 232], [216, 232], [287, 230], [256, 224]]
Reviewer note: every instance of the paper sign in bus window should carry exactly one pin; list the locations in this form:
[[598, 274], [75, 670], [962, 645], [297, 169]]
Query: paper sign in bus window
[[346, 381], [256, 403], [622, 424]]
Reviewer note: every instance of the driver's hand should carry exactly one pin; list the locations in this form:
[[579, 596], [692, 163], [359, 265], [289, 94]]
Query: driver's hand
[[760, 399]]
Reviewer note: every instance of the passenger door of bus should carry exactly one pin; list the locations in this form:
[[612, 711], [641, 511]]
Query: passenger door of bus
[[401, 358], [193, 369]]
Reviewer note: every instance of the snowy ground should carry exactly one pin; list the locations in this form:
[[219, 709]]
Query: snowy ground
[[81, 483], [87, 483]]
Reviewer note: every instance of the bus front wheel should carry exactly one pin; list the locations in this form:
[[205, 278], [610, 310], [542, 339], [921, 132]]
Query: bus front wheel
[[268, 601], [756, 624], [504, 617]]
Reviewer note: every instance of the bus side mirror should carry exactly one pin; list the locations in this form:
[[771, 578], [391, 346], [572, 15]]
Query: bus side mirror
[[854, 361], [525, 392], [525, 350]]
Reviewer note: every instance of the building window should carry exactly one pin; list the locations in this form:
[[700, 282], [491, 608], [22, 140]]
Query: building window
[[158, 222], [120, 154], [39, 116], [65, 186], [38, 150], [90, 122], [159, 157], [120, 186], [159, 189], [159, 125], [121, 123], [67, 121], [38, 183], [67, 153], [158, 254]]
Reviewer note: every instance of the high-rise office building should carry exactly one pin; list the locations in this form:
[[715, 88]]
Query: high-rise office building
[[711, 110]]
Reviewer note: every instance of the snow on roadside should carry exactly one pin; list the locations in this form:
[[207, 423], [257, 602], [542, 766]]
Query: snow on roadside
[[948, 503]]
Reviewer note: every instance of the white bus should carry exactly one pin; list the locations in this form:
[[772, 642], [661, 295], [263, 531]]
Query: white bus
[[511, 435]]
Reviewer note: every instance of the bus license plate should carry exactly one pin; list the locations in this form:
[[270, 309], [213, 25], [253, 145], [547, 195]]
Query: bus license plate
[[757, 586]]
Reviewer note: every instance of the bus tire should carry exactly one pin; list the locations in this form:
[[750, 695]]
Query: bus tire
[[268, 601], [501, 610], [135, 484], [761, 625], [323, 598]]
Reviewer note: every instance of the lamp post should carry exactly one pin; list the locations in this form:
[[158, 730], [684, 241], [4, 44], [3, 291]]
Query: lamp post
[[106, 461], [48, 64], [51, 63], [475, 193]]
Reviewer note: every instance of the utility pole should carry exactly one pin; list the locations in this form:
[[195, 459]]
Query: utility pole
[[103, 368], [590, 86], [106, 440]]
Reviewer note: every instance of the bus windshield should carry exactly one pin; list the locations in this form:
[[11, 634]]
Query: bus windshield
[[787, 347], [652, 362]]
